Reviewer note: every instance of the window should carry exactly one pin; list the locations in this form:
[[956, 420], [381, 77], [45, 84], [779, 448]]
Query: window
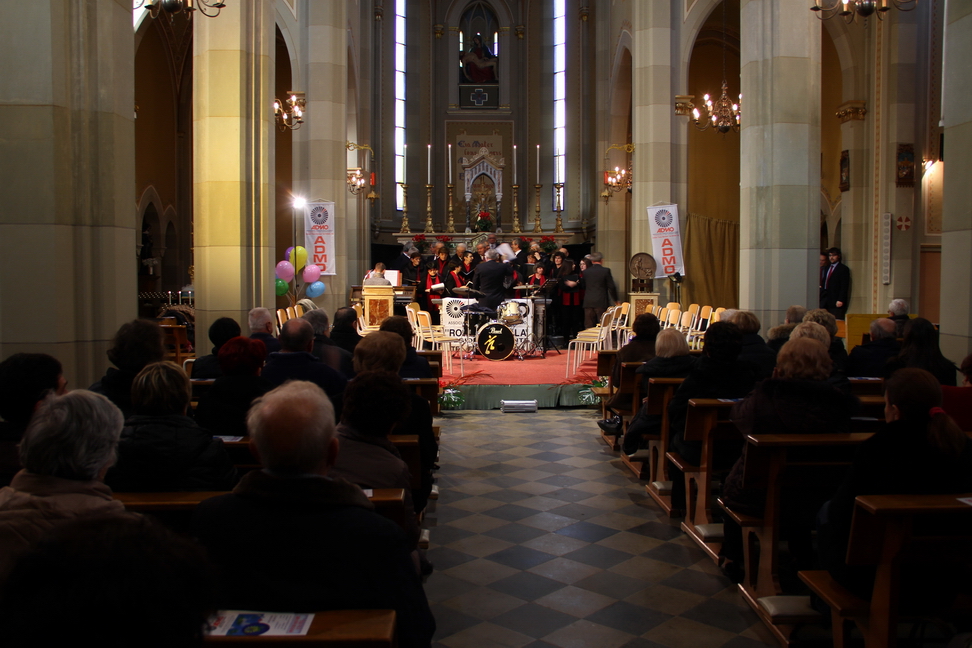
[[560, 93], [399, 101]]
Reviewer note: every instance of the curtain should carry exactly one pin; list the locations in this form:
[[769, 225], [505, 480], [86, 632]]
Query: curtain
[[711, 262]]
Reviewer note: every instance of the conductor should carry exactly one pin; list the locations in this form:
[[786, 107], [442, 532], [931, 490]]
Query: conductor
[[488, 279]]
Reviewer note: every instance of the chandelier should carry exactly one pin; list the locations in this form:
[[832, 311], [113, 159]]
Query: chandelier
[[617, 179], [722, 115], [208, 8], [849, 10], [290, 113], [356, 181]]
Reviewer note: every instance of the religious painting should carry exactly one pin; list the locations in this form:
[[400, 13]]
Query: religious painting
[[845, 170], [905, 159], [478, 57]]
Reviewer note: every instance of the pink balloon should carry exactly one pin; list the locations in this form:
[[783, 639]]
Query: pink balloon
[[285, 270], [312, 273]]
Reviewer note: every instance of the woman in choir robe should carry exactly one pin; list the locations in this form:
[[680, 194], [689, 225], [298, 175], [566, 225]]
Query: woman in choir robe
[[453, 279], [430, 291], [468, 266]]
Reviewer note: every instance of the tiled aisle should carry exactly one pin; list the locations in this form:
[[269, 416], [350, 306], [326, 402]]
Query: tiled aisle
[[539, 539]]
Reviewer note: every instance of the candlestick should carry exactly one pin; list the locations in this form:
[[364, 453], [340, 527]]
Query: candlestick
[[450, 225], [450, 164], [404, 159], [514, 164], [429, 226], [538, 163], [516, 208], [428, 167], [537, 229], [405, 229]]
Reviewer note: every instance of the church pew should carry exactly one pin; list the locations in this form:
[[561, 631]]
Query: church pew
[[627, 400], [333, 629], [887, 532], [660, 394], [605, 367], [434, 357], [777, 462], [866, 386], [427, 388], [706, 421]]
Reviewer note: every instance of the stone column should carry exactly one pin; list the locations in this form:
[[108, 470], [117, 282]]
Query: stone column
[[67, 158], [779, 199], [956, 312], [319, 145], [232, 197]]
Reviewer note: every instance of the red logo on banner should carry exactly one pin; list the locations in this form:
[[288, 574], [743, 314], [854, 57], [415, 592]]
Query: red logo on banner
[[904, 223]]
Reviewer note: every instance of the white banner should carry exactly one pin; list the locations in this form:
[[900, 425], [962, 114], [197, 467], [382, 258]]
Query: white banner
[[666, 244], [319, 235]]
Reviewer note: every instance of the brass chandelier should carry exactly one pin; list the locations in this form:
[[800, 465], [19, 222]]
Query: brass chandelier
[[208, 8], [849, 10]]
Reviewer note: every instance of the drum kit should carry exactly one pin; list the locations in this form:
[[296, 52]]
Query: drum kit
[[491, 331]]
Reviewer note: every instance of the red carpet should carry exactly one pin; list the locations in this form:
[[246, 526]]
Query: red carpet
[[532, 370]]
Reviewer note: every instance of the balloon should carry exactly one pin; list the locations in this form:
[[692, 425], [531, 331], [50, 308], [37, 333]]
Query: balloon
[[316, 289], [281, 287], [312, 273], [298, 256], [285, 271], [287, 253]]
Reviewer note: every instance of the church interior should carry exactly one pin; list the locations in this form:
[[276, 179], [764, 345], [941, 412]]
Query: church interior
[[152, 155]]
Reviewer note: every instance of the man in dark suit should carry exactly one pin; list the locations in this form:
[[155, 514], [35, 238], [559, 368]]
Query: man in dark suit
[[601, 292], [488, 278], [835, 285]]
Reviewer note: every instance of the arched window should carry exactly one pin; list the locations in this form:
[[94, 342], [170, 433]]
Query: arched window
[[478, 57], [560, 92], [399, 101]]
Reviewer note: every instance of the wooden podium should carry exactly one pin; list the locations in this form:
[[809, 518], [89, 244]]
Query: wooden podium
[[379, 303], [641, 303]]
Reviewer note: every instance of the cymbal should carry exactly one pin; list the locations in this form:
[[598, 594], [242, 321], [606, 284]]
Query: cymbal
[[461, 289], [522, 287]]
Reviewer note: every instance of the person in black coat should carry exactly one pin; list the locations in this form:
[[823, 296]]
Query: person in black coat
[[489, 278], [868, 359], [161, 449], [920, 350], [641, 348], [835, 285], [325, 348], [600, 291], [296, 362], [344, 331], [222, 409], [754, 349], [260, 321], [207, 367], [836, 350], [136, 344], [414, 366]]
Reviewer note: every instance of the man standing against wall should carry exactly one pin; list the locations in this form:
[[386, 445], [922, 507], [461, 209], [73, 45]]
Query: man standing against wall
[[835, 285]]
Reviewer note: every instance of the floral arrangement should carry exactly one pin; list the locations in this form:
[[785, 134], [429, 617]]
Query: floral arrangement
[[452, 397], [446, 241], [484, 222], [420, 243], [548, 244], [586, 393]]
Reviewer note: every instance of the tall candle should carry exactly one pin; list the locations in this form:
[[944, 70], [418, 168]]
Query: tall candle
[[556, 166], [428, 167], [514, 164], [404, 157], [450, 164], [538, 164]]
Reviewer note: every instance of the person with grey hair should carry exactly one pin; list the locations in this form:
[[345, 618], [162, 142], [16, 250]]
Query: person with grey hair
[[324, 348], [868, 360], [293, 512], [260, 321], [296, 362], [488, 278], [600, 291], [69, 445], [898, 311]]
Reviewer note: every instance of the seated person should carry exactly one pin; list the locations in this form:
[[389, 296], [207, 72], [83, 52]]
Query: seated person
[[754, 349], [778, 335], [324, 347], [836, 350], [207, 367], [920, 350], [156, 584], [672, 360], [66, 451], [344, 331], [367, 457], [377, 276], [415, 366], [136, 344], [222, 409], [868, 360], [957, 401], [312, 542], [919, 451], [796, 400], [641, 348], [261, 325], [25, 380], [384, 351], [817, 332], [161, 449], [898, 313], [295, 361]]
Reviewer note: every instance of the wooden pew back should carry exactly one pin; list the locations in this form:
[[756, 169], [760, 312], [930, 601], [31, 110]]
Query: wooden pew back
[[332, 629], [660, 394]]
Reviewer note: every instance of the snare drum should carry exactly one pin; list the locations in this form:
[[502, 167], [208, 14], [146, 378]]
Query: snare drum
[[495, 341]]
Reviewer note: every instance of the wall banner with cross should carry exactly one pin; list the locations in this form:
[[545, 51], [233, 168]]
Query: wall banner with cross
[[479, 95]]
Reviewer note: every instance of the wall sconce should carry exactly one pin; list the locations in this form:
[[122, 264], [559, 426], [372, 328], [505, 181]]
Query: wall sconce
[[356, 179], [619, 178], [290, 113], [208, 8], [849, 10]]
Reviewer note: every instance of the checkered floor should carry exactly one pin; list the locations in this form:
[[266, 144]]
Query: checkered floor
[[539, 538]]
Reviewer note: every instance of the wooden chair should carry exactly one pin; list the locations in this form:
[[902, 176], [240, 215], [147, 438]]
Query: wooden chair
[[673, 305], [282, 316], [889, 532], [778, 463], [674, 316], [697, 333], [605, 367], [437, 340], [685, 323], [589, 341], [330, 629], [620, 325], [660, 394], [187, 366], [177, 348]]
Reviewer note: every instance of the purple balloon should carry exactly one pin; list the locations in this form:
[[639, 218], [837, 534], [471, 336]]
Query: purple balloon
[[312, 273], [285, 270], [287, 253]]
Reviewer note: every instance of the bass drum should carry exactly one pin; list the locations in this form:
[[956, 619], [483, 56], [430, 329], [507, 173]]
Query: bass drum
[[495, 341]]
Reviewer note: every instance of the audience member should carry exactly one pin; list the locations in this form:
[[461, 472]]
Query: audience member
[[868, 360], [415, 366], [778, 335], [222, 409], [641, 348], [344, 332], [25, 380], [116, 581], [317, 540], [898, 313], [796, 400], [136, 344], [836, 350], [324, 347], [66, 450], [920, 350], [296, 362], [957, 401], [207, 366], [262, 327], [754, 349], [672, 360], [919, 451], [367, 457], [161, 449]]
